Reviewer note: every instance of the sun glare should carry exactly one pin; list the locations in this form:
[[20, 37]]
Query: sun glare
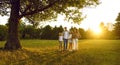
[[97, 31]]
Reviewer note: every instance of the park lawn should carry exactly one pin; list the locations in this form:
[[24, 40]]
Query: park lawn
[[45, 52]]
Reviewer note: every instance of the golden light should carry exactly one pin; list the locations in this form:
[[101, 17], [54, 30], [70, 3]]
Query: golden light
[[97, 31]]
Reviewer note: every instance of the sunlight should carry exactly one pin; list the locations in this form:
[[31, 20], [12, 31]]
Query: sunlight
[[97, 31]]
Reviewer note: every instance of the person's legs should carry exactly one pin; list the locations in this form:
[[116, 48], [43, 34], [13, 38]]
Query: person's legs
[[76, 44], [73, 44], [60, 46], [66, 43], [70, 46]]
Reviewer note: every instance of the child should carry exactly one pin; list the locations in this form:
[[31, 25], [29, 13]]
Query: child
[[60, 41]]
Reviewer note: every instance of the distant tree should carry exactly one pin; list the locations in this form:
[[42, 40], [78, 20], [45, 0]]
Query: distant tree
[[117, 30], [82, 33], [34, 23], [3, 32], [46, 32], [21, 29], [103, 29], [106, 32], [60, 29], [40, 10], [56, 31], [88, 34], [118, 17], [29, 31]]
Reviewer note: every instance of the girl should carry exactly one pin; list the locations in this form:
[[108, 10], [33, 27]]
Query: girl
[[70, 41], [60, 41]]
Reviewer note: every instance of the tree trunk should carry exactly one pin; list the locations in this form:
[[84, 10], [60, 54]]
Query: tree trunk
[[13, 41]]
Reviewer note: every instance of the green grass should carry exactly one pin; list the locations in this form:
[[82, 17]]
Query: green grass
[[45, 52]]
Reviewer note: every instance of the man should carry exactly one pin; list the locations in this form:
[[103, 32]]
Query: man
[[65, 38]]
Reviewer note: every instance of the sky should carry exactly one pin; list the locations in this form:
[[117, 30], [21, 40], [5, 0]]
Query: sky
[[106, 12]]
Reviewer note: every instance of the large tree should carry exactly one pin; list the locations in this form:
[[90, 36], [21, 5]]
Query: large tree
[[39, 10]]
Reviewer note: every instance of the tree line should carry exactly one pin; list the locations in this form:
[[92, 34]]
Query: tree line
[[51, 33]]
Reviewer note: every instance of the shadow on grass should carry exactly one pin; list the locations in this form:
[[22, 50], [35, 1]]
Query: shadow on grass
[[51, 57], [1, 48], [45, 58], [28, 57]]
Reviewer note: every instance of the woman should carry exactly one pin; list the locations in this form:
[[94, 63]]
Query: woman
[[76, 35]]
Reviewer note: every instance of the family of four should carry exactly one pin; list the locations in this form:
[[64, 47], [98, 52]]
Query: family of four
[[69, 38]]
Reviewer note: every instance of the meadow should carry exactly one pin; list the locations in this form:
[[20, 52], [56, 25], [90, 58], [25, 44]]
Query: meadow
[[46, 52]]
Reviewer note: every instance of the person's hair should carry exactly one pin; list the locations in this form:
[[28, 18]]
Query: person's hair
[[65, 28]]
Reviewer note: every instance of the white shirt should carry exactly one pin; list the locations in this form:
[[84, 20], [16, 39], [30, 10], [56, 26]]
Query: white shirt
[[60, 38], [70, 36], [65, 34]]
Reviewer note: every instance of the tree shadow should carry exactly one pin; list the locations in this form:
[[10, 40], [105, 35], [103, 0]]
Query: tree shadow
[[45, 58], [52, 57], [28, 57], [1, 48]]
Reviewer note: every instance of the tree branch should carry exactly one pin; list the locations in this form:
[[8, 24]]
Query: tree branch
[[28, 7], [30, 20], [38, 10]]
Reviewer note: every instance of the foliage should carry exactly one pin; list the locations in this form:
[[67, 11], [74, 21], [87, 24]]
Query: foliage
[[118, 17], [82, 33], [48, 32], [41, 10], [55, 32], [29, 32], [3, 32], [88, 34], [117, 29], [4, 5]]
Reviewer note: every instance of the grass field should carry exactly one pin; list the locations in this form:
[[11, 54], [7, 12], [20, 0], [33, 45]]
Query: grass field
[[45, 52]]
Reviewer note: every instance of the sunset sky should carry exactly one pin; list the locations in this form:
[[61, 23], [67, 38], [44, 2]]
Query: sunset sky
[[106, 12]]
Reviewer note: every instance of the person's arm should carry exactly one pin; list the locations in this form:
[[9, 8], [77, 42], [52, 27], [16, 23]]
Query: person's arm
[[78, 35]]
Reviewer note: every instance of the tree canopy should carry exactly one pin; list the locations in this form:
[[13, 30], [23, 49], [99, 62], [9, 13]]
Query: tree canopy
[[42, 10]]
